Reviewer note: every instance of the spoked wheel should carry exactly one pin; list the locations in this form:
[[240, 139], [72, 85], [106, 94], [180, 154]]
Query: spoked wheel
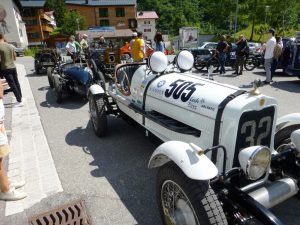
[[58, 90], [215, 63], [282, 137], [98, 114], [250, 63], [183, 201], [198, 66], [50, 78]]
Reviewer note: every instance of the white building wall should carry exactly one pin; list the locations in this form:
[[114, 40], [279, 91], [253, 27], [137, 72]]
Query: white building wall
[[148, 27], [11, 24]]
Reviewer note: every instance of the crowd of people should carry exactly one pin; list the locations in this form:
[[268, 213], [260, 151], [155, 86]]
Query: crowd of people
[[138, 47], [272, 50]]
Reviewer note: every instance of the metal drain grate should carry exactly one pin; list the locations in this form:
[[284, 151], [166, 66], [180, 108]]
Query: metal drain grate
[[70, 214]]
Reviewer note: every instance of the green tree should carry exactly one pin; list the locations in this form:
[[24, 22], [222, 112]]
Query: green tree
[[72, 22], [59, 8]]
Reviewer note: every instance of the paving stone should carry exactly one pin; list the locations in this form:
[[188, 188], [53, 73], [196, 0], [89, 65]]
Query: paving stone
[[30, 156]]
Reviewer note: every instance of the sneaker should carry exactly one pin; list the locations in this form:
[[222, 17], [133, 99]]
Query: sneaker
[[17, 184], [18, 104], [12, 195]]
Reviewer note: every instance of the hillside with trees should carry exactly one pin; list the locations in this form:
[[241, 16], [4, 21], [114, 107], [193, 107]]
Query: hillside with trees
[[217, 17]]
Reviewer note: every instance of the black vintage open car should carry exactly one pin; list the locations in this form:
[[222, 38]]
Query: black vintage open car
[[74, 78], [46, 58], [106, 58]]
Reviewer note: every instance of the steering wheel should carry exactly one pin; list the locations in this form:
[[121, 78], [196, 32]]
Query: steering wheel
[[122, 83]]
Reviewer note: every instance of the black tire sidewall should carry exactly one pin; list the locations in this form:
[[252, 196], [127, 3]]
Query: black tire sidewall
[[215, 63], [194, 190], [58, 90], [101, 120], [246, 67], [49, 74], [284, 134]]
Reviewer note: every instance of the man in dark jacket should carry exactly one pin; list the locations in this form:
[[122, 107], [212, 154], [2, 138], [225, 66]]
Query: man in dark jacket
[[221, 51], [242, 46]]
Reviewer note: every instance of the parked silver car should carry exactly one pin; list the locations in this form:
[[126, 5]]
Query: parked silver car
[[255, 48]]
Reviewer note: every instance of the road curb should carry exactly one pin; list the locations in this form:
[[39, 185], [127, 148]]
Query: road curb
[[30, 158]]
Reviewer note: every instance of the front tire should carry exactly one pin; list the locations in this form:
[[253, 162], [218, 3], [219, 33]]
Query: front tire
[[184, 201], [198, 66], [215, 63], [282, 137], [50, 78], [58, 90], [98, 114], [250, 63]]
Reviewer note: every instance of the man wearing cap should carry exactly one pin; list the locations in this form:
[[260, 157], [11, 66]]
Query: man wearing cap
[[269, 54], [138, 48], [83, 43]]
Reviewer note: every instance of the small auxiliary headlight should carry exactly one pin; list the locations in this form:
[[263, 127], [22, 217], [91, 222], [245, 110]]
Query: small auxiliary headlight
[[158, 62], [185, 61], [255, 161]]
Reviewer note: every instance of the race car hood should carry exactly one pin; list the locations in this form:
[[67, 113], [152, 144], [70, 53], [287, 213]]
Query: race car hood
[[188, 91]]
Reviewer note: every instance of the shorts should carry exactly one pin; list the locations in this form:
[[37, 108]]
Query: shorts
[[4, 150], [4, 147]]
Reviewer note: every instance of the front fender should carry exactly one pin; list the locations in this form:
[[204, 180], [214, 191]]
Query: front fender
[[289, 119], [96, 89], [195, 166]]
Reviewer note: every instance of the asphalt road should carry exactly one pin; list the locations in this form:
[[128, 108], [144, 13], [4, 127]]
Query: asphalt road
[[111, 173]]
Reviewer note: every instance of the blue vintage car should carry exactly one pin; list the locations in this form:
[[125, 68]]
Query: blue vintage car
[[293, 67]]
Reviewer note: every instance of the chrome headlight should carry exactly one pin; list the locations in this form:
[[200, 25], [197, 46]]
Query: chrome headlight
[[255, 161]]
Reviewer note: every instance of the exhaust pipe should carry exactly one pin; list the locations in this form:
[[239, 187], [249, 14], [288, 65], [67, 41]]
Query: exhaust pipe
[[276, 192]]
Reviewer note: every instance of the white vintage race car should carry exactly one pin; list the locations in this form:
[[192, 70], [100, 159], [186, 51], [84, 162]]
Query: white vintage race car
[[226, 158]]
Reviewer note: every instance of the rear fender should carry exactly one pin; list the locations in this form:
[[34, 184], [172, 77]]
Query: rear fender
[[287, 120], [96, 89], [195, 166]]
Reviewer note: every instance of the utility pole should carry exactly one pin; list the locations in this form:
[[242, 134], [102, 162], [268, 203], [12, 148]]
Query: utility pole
[[235, 22], [77, 21], [266, 9]]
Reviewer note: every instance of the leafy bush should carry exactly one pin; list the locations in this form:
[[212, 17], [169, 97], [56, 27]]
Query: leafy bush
[[31, 51]]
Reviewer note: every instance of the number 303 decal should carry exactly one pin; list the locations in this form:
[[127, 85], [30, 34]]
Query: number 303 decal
[[177, 89]]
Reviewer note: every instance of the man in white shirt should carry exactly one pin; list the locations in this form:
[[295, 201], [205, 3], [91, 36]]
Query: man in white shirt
[[71, 47], [269, 54]]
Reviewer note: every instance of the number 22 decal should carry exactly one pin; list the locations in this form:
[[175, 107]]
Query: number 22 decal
[[178, 87]]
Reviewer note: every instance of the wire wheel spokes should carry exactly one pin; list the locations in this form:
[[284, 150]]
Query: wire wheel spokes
[[177, 207]]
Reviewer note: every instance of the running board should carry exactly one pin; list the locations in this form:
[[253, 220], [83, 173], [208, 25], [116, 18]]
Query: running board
[[167, 122]]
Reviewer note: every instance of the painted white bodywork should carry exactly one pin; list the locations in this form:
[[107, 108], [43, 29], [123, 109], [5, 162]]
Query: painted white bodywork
[[196, 166], [96, 89], [198, 112], [289, 119], [295, 138]]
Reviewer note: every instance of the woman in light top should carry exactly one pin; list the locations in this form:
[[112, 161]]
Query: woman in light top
[[159, 43]]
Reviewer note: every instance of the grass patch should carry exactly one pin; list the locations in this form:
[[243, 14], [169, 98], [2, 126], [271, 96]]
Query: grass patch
[[31, 51], [260, 33]]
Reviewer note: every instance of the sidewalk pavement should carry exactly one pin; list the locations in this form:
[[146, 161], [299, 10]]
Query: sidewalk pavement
[[30, 158]]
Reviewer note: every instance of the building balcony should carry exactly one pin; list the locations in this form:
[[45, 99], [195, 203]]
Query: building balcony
[[45, 17], [47, 28]]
